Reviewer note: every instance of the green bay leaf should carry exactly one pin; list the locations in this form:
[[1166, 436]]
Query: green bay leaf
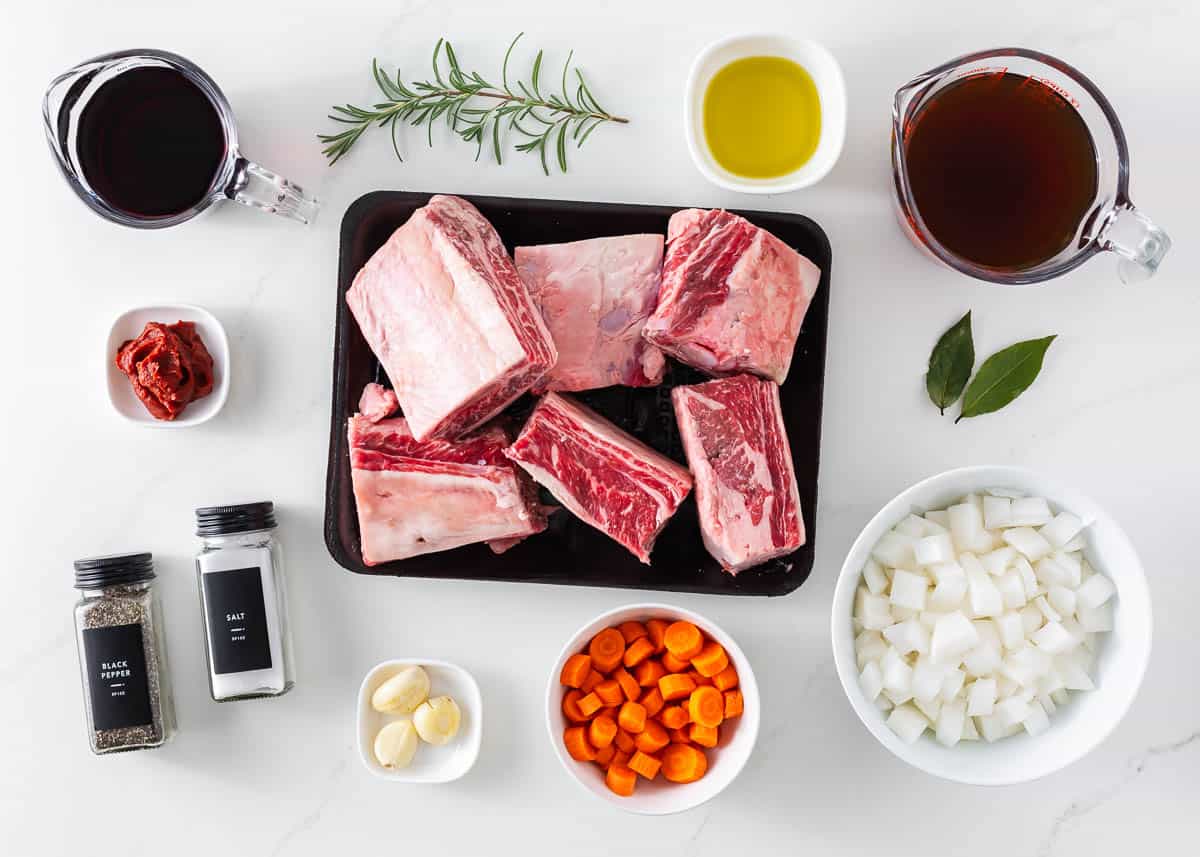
[[1004, 376], [950, 364]]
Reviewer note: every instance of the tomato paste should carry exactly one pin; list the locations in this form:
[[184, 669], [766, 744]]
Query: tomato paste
[[168, 366]]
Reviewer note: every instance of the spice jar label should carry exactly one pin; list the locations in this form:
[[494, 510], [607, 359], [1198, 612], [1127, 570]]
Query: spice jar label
[[237, 622], [115, 660]]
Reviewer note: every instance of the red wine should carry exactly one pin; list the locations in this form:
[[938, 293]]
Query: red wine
[[150, 142], [1002, 170]]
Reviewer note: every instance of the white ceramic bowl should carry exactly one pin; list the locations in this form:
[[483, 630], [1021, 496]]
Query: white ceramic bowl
[[660, 797], [831, 89], [1075, 728], [128, 325], [432, 764]]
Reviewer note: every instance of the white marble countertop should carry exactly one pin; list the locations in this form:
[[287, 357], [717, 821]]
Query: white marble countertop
[[1115, 413]]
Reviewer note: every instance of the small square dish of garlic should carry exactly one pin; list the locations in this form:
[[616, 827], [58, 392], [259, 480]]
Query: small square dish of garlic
[[419, 721]]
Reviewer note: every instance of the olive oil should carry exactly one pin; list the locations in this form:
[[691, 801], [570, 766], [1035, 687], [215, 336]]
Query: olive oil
[[762, 117]]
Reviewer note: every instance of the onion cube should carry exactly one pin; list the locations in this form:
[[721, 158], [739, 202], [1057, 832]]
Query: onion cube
[[1054, 639], [897, 675], [908, 636], [1010, 493], [997, 512], [1060, 697], [970, 733], [984, 597], [1011, 629], [953, 637], [1076, 544], [1049, 612], [931, 708], [932, 550], [1012, 590], [1028, 578], [871, 680], [874, 576], [908, 589], [1025, 666], [869, 646], [1074, 675], [1030, 512], [1072, 564], [1093, 619], [1031, 618], [903, 614], [981, 698], [940, 517], [928, 618], [907, 723], [1050, 573], [895, 550], [1005, 686], [1036, 722], [993, 729], [873, 611], [950, 721], [1095, 591], [883, 703], [1062, 599], [988, 635], [1046, 703], [982, 660], [1011, 711], [966, 523], [952, 684], [927, 679], [912, 526], [1049, 683], [1061, 529], [949, 594], [997, 562], [1029, 542]]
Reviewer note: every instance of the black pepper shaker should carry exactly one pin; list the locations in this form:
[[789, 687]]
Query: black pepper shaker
[[118, 628]]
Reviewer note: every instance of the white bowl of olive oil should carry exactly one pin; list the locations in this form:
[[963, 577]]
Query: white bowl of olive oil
[[765, 113]]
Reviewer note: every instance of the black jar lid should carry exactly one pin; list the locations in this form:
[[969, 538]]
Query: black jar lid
[[240, 518], [113, 570]]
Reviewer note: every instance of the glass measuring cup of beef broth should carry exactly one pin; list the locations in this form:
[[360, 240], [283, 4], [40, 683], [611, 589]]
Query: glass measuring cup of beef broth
[[1011, 166], [148, 140]]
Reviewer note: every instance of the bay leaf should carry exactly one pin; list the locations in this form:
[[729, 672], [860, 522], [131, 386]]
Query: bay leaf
[[1004, 376], [950, 364]]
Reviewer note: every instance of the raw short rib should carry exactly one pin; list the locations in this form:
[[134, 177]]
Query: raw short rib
[[595, 297], [737, 448], [733, 296], [377, 402], [607, 478], [417, 497], [442, 307]]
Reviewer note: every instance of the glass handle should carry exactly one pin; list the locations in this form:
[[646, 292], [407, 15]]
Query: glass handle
[[1140, 244], [258, 187]]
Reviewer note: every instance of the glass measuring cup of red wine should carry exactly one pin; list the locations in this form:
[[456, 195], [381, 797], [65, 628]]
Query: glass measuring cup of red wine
[[1010, 166], [148, 140]]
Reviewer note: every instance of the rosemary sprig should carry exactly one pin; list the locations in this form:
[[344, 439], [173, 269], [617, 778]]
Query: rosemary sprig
[[478, 111]]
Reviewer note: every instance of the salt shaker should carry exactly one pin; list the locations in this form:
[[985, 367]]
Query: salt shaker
[[241, 581]]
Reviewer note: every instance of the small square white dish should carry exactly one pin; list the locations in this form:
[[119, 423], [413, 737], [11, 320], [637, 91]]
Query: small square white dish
[[128, 325], [432, 764]]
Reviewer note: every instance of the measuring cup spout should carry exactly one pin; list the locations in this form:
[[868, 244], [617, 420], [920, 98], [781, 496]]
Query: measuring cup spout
[[1134, 237]]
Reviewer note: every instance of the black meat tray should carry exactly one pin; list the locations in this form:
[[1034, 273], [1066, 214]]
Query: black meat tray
[[569, 551]]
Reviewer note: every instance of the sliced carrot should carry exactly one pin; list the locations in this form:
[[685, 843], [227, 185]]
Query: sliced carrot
[[631, 631], [589, 684], [652, 701], [674, 717], [629, 684], [606, 649], [673, 664], [570, 707], [683, 640], [657, 631], [605, 755], [711, 660], [638, 651], [705, 736], [620, 780], [706, 706], [645, 764], [632, 717], [653, 738], [602, 731], [621, 757], [590, 704], [700, 680], [676, 686], [680, 736], [577, 744], [575, 670], [726, 679], [734, 703], [683, 763], [649, 672], [610, 692], [624, 742]]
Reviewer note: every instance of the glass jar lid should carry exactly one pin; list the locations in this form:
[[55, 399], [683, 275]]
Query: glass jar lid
[[115, 569], [238, 518]]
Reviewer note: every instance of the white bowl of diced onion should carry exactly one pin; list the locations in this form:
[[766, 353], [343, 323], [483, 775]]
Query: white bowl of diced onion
[[1066, 649]]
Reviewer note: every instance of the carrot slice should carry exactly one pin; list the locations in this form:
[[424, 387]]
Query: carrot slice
[[602, 731], [652, 701], [575, 670], [683, 640], [621, 757], [590, 704], [620, 780], [653, 738], [649, 672], [631, 631], [683, 763], [610, 692], [673, 664], [638, 651], [577, 744], [711, 660], [705, 736], [700, 680], [589, 684], [676, 686], [734, 703], [570, 707], [680, 736], [657, 631], [674, 717], [606, 649], [605, 755], [726, 679], [645, 764], [632, 717], [629, 684], [624, 742], [706, 706]]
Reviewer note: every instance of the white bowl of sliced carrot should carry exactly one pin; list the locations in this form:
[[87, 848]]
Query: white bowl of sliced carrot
[[652, 708]]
